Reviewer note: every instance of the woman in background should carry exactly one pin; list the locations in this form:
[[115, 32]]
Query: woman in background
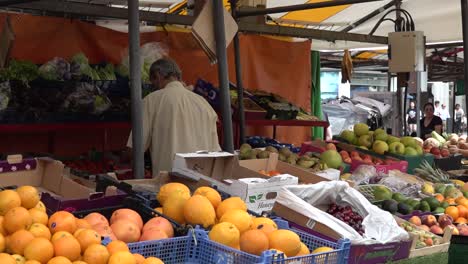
[[430, 122]]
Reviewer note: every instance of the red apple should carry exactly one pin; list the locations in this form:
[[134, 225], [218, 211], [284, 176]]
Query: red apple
[[435, 151], [445, 152], [445, 220], [437, 230], [429, 220]]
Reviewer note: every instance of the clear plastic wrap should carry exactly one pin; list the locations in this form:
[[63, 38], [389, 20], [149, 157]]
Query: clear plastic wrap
[[57, 69], [87, 98], [363, 174], [343, 116]]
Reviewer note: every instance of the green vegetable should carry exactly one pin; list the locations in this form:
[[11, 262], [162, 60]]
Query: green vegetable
[[438, 137], [25, 71]]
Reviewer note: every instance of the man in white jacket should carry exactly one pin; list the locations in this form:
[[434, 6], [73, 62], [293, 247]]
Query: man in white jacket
[[175, 119]]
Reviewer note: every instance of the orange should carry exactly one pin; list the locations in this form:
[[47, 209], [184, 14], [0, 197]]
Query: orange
[[286, 241], [139, 258], [267, 228], [439, 197], [67, 247], [127, 215], [226, 234], [78, 231], [240, 218], [79, 262], [169, 188], [59, 260], [127, 231], [16, 219], [8, 199], [39, 249], [304, 250], [59, 235], [116, 246], [96, 254], [257, 221], [254, 242], [19, 240], [213, 196], [462, 211], [122, 257], [2, 243], [88, 237], [38, 216], [2, 229], [40, 230], [7, 259], [452, 211], [459, 199], [230, 204], [40, 205], [29, 196], [153, 260], [96, 219], [464, 203], [32, 262], [198, 210], [450, 201], [461, 220], [82, 223], [62, 221]]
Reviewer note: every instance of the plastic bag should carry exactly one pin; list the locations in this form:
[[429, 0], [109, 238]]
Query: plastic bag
[[57, 69], [379, 226], [363, 174], [149, 53], [87, 98]]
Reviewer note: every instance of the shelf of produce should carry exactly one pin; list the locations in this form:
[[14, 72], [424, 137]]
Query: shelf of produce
[[52, 129], [277, 123]]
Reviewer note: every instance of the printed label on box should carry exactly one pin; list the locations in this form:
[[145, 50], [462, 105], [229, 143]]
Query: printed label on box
[[310, 224]]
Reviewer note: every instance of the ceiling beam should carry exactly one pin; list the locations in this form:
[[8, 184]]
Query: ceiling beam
[[14, 2], [60, 8]]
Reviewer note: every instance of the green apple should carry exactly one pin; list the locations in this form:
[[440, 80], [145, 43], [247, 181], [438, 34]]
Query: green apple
[[365, 140], [392, 139], [410, 151], [361, 129], [382, 136], [380, 130], [348, 135], [380, 147], [419, 150], [408, 142], [397, 148], [362, 147]]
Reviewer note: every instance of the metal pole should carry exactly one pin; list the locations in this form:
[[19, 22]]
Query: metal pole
[[464, 11], [283, 9], [240, 86], [135, 89], [419, 84], [220, 37], [367, 17]]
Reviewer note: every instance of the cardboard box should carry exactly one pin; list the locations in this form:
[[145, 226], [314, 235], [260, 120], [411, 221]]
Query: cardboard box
[[359, 254], [273, 164], [222, 170], [59, 191]]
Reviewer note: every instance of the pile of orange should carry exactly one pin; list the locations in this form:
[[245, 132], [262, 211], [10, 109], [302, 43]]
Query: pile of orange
[[459, 213], [29, 236]]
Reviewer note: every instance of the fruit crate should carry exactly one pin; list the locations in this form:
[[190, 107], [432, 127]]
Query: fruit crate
[[196, 247], [414, 161]]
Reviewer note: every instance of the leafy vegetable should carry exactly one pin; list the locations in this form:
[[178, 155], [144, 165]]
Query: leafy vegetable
[[57, 69], [25, 71]]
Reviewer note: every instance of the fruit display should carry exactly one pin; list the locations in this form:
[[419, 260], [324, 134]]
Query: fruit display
[[427, 172], [29, 235], [424, 237], [444, 146], [347, 215], [349, 157], [438, 225], [380, 142]]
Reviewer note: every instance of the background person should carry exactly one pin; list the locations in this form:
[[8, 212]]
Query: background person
[[444, 115], [411, 118], [459, 114], [430, 122]]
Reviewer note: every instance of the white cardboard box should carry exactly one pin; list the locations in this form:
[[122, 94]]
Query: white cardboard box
[[222, 169]]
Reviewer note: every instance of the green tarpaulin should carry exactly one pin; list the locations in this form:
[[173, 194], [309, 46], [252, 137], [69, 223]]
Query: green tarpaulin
[[315, 99]]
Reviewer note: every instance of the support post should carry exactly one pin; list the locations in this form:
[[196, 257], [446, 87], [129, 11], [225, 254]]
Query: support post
[[135, 88], [419, 84], [239, 84], [464, 13], [221, 53]]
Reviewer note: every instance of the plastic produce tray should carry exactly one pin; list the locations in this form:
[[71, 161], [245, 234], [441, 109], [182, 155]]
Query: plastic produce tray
[[172, 250]]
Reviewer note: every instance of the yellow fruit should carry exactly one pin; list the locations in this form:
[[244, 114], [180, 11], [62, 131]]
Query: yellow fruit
[[241, 219], [32, 262], [96, 254], [19, 240], [226, 234], [67, 247], [211, 194], [122, 257], [16, 219], [304, 250], [257, 221], [174, 206], [59, 235], [19, 259], [40, 230], [116, 246], [6, 259], [254, 242], [59, 260], [87, 238], [40, 205], [199, 211], [38, 216], [29, 196], [230, 204], [153, 260], [322, 250], [39, 249], [458, 183], [169, 188], [8, 199], [286, 241]]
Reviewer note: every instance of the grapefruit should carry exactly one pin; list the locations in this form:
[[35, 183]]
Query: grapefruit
[[153, 234], [159, 223], [126, 231], [128, 215], [96, 219]]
